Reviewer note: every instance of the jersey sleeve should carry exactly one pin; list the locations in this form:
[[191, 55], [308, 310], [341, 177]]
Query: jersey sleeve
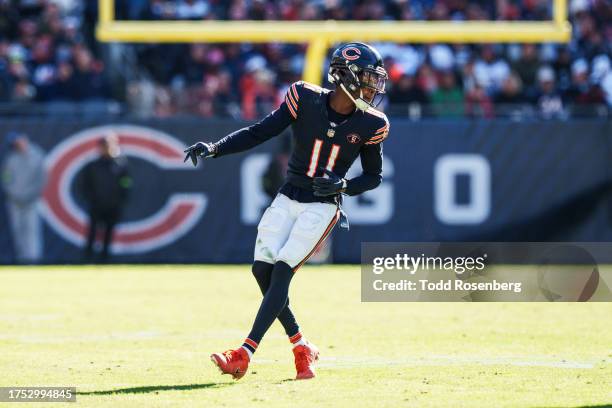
[[291, 103], [382, 130], [372, 164], [270, 126], [249, 137]]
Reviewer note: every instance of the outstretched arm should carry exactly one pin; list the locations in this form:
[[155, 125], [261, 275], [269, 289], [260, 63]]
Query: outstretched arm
[[249, 137], [245, 138]]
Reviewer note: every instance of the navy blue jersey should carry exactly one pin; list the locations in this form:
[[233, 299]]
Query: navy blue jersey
[[318, 141]]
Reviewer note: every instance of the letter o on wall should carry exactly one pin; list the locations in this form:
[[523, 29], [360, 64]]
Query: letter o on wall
[[446, 170]]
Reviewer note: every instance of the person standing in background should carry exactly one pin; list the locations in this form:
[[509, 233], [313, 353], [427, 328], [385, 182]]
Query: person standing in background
[[105, 184], [23, 180]]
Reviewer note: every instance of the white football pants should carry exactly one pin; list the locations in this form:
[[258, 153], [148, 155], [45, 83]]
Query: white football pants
[[290, 231]]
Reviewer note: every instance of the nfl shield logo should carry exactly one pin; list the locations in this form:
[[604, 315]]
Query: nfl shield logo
[[331, 132]]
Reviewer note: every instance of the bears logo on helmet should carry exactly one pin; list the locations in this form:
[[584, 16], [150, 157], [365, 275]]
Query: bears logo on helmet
[[351, 53]]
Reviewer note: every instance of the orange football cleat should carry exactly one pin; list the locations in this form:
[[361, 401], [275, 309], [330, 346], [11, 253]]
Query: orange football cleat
[[305, 357], [232, 362]]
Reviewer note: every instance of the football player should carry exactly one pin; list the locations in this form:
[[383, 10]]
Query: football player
[[331, 128]]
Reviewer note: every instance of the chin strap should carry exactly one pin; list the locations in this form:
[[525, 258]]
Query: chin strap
[[359, 102]]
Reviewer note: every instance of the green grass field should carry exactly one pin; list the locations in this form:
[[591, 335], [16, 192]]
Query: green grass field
[[141, 336]]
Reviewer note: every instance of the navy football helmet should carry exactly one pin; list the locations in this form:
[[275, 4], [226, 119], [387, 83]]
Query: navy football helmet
[[357, 66]]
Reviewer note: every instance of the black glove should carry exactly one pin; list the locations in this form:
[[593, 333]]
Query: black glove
[[199, 149], [324, 186]]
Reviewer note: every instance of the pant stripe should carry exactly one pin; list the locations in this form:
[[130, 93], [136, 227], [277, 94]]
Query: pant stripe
[[318, 244]]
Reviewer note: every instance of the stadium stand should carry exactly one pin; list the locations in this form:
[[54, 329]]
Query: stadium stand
[[48, 54]]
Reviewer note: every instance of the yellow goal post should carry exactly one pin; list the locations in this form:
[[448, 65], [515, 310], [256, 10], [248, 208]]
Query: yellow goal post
[[319, 35]]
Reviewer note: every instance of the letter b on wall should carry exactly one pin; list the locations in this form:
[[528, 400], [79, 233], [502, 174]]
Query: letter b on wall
[[446, 206]]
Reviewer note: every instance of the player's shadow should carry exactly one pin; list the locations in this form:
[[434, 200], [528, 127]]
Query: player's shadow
[[156, 388], [286, 380], [596, 406], [592, 406]]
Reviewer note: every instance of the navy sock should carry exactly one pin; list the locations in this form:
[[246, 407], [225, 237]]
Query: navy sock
[[273, 302], [263, 274]]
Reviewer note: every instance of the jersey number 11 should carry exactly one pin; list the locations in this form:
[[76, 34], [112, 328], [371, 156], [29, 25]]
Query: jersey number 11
[[314, 157]]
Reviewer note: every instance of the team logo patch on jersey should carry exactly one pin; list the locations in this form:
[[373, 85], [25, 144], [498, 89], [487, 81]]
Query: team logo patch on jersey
[[353, 138], [351, 53], [331, 132]]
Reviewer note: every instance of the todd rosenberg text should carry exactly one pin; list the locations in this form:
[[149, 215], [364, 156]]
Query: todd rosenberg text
[[445, 285]]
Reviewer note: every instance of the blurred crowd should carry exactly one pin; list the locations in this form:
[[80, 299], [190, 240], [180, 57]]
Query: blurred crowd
[[425, 80], [337, 10], [45, 55]]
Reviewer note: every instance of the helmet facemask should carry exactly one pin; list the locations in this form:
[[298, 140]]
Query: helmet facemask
[[353, 80], [373, 80]]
